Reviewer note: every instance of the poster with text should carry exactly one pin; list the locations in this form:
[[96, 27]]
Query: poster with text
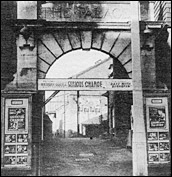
[[164, 146], [16, 119], [22, 149], [157, 117]]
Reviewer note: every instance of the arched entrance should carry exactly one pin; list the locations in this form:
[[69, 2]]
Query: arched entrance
[[120, 73], [41, 44], [66, 67], [53, 45]]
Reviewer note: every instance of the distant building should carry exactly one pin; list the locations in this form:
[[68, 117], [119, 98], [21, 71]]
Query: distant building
[[91, 103]]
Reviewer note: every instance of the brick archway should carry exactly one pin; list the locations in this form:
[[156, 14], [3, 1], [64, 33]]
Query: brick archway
[[52, 45]]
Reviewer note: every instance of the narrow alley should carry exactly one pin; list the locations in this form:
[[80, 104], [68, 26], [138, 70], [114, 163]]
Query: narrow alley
[[85, 157]]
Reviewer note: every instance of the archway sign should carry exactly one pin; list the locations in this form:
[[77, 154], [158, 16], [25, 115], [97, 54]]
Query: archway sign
[[85, 84]]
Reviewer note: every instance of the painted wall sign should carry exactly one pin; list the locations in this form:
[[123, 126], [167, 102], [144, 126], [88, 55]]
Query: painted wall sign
[[85, 84], [86, 12]]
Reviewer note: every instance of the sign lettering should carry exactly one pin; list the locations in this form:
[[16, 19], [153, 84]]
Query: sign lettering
[[85, 12], [85, 84]]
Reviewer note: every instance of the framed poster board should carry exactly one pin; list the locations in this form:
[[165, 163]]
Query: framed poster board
[[157, 119], [17, 132], [16, 119]]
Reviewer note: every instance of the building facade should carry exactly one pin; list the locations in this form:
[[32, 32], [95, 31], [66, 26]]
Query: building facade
[[37, 33]]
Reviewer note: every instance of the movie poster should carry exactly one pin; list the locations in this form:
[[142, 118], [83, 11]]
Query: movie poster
[[10, 138], [22, 138], [164, 157], [164, 146], [16, 119], [152, 136], [9, 160], [10, 149], [157, 117], [22, 160], [153, 157], [163, 136], [153, 146], [22, 149]]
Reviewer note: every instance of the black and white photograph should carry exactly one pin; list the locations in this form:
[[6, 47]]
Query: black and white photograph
[[152, 136], [153, 147], [9, 160], [22, 160], [10, 149], [153, 157], [10, 138], [164, 157], [22, 149], [163, 135], [22, 138], [85, 88]]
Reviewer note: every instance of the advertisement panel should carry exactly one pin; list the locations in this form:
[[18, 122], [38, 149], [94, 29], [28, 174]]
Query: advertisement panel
[[85, 84], [17, 135], [158, 145]]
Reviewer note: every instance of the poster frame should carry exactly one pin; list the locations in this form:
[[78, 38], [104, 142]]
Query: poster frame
[[4, 107], [162, 133]]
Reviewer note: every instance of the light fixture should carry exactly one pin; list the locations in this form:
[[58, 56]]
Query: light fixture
[[146, 44], [147, 31]]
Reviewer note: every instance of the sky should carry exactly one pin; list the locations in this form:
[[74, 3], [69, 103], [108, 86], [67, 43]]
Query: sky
[[73, 63]]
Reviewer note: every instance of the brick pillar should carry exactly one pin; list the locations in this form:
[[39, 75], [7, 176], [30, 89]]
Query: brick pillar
[[25, 78]]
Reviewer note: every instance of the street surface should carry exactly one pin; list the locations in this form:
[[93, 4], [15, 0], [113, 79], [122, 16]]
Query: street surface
[[86, 157]]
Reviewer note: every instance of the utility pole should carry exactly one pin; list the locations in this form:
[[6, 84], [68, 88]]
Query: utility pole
[[139, 150], [64, 114], [78, 113]]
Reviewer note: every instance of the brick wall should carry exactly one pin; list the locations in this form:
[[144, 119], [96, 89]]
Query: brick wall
[[8, 48]]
